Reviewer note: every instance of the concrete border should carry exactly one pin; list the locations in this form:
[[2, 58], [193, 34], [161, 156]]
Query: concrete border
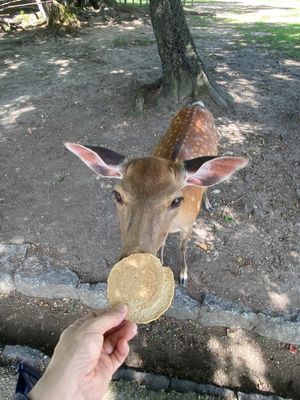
[[11, 355], [42, 278]]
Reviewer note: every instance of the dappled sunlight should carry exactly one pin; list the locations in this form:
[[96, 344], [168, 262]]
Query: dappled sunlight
[[295, 255], [249, 93], [63, 65], [123, 26], [203, 236], [232, 133], [5, 290], [132, 25], [10, 112], [291, 63], [10, 65], [121, 71], [282, 77], [279, 301], [12, 116], [235, 132], [243, 360], [267, 25], [271, 16], [251, 11]]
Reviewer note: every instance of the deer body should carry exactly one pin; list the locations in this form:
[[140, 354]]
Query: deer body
[[162, 194], [192, 133]]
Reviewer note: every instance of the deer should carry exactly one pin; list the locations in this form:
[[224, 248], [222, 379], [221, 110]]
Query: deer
[[162, 193]]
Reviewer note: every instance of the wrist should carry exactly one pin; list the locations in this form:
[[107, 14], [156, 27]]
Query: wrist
[[53, 386]]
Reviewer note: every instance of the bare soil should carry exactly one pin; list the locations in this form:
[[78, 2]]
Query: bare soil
[[225, 357], [81, 89]]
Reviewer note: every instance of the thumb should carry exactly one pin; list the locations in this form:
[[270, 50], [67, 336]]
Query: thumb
[[106, 321]]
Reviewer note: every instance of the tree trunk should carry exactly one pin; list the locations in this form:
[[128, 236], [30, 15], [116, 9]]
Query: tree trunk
[[61, 17], [183, 72]]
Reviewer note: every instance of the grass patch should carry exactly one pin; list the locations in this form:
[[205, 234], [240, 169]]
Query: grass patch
[[271, 36], [201, 20], [142, 42], [120, 42], [270, 28]]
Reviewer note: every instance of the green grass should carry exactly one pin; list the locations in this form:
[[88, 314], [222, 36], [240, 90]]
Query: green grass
[[273, 29], [206, 19], [142, 42], [120, 42], [271, 36]]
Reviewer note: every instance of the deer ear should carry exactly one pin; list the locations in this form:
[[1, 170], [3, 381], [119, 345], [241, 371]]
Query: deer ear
[[208, 171], [106, 163]]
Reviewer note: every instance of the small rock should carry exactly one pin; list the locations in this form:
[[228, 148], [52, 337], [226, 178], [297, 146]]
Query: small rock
[[216, 302], [6, 283], [11, 254], [17, 239], [278, 328], [93, 295], [183, 306], [184, 386], [214, 317], [152, 381], [41, 280], [245, 396], [217, 312], [17, 251], [32, 357]]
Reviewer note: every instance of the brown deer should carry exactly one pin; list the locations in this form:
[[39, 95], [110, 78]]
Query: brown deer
[[162, 193]]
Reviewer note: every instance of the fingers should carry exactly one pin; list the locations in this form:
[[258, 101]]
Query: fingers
[[122, 349], [120, 353], [127, 332], [86, 317], [115, 329], [106, 321]]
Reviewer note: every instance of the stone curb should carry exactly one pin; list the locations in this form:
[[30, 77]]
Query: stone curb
[[41, 278], [11, 355]]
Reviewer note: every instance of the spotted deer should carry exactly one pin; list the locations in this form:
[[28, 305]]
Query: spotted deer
[[162, 193]]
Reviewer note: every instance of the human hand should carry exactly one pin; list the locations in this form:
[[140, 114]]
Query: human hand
[[88, 353]]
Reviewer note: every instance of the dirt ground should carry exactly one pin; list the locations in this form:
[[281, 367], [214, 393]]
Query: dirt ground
[[56, 89], [229, 358]]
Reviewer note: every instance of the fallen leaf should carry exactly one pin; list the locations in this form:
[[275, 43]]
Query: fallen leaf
[[203, 246], [228, 218], [293, 349]]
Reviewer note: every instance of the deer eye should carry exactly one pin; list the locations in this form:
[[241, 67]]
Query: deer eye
[[117, 196], [176, 202]]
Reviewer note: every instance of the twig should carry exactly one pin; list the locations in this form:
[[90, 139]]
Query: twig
[[231, 202]]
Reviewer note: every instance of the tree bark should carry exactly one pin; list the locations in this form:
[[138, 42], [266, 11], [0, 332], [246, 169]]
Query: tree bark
[[183, 71], [61, 17]]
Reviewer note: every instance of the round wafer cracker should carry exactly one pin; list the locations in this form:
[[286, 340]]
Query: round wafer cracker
[[141, 282]]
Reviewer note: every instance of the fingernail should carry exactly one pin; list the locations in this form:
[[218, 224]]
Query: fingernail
[[121, 308]]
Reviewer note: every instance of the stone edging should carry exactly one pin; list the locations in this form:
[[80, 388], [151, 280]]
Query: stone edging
[[35, 358], [41, 278]]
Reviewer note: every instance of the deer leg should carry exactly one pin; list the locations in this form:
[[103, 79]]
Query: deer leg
[[162, 254], [184, 237], [162, 250], [206, 202]]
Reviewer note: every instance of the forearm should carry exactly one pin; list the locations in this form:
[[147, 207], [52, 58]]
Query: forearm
[[53, 386]]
